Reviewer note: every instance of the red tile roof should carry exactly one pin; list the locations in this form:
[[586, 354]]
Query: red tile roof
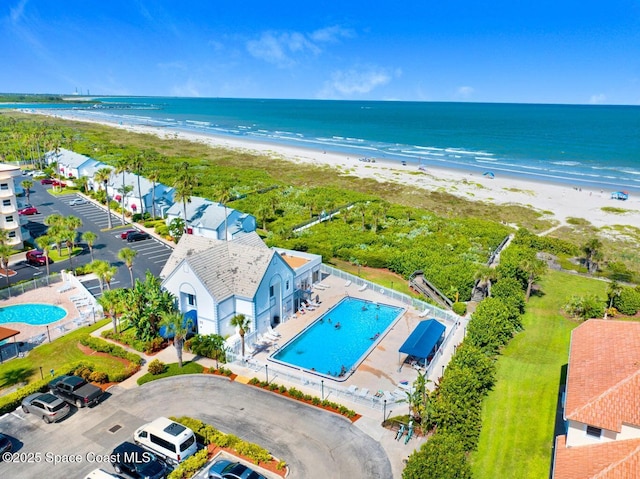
[[608, 460], [604, 374]]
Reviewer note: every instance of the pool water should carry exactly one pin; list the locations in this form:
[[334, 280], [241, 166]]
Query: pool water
[[33, 314], [334, 351]]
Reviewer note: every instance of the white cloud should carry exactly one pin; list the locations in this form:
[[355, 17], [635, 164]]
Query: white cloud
[[355, 81], [464, 92], [17, 12], [284, 48], [598, 99]]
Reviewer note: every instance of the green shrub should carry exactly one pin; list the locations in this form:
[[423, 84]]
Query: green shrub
[[162, 230], [84, 372], [628, 301], [190, 466], [157, 367], [460, 308], [102, 346], [254, 452], [99, 377]]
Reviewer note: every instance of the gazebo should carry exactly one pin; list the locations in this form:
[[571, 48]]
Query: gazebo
[[423, 341], [6, 333]]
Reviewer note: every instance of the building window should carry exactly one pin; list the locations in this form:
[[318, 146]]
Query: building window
[[191, 299], [287, 285], [594, 431], [12, 234], [9, 219], [6, 202], [4, 186], [271, 291]]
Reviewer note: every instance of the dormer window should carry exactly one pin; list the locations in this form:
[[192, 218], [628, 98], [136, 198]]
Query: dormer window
[[594, 431]]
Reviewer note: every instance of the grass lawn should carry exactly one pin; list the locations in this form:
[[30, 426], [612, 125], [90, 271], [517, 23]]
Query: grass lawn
[[519, 414], [172, 370], [56, 355], [383, 277]]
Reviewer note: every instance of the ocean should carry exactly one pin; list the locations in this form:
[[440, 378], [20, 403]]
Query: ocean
[[594, 146]]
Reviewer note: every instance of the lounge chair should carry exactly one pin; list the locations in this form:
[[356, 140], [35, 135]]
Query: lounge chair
[[66, 287], [270, 337], [352, 389], [347, 284], [364, 392], [273, 332], [424, 313], [363, 287], [388, 396]]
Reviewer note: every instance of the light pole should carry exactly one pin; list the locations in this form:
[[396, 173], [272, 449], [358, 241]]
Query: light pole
[[443, 370], [266, 370], [384, 411], [322, 386]]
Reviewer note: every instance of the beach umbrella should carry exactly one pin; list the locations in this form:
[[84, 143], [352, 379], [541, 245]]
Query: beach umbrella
[[489, 174]]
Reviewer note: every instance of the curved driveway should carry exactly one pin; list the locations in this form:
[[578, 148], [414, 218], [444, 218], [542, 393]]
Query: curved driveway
[[315, 443]]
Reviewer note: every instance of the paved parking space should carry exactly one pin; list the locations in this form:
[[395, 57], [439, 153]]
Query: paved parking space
[[152, 253]]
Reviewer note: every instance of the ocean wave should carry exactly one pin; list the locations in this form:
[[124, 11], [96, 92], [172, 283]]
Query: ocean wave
[[566, 163]]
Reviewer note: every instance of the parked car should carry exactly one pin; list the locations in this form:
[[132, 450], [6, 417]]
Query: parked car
[[28, 210], [45, 405], [5, 445], [58, 183], [37, 257], [124, 234], [224, 469], [75, 390], [133, 461], [138, 236], [78, 201], [46, 181]]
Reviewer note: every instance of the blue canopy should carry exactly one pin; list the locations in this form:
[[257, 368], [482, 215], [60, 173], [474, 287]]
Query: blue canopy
[[423, 339], [489, 174]]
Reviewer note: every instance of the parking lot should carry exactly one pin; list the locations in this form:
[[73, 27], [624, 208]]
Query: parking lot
[[152, 254], [315, 443]]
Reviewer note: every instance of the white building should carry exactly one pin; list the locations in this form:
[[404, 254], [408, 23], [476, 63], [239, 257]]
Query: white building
[[214, 280], [73, 165], [10, 178], [207, 218], [136, 201]]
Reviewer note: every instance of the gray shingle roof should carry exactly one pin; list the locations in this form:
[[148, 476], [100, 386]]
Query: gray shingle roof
[[226, 268]]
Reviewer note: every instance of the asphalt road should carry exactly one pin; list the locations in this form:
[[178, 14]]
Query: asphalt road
[[315, 443], [152, 254]]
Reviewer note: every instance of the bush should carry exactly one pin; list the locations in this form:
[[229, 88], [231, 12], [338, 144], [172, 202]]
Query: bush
[[84, 372], [628, 301], [102, 346], [162, 230], [99, 377], [157, 367], [460, 308], [208, 346], [190, 466]]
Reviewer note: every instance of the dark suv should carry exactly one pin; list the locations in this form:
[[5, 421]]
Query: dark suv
[[37, 257], [137, 236], [133, 461]]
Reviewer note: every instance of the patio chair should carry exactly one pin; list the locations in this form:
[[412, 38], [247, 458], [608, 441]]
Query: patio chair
[[347, 284], [364, 392], [273, 332], [352, 389], [363, 287]]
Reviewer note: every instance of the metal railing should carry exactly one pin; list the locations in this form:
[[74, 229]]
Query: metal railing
[[30, 285]]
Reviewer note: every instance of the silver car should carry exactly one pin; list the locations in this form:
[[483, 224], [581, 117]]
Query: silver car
[[45, 405], [78, 201]]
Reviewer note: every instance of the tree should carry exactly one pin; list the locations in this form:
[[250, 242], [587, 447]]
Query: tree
[[613, 291], [533, 268], [441, 457], [154, 176], [242, 323], [104, 271], [70, 225], [44, 243], [136, 162], [127, 255], [176, 228], [124, 191], [184, 185], [593, 254], [5, 254], [90, 238], [175, 323], [113, 303], [361, 209], [102, 177], [27, 185], [82, 183]]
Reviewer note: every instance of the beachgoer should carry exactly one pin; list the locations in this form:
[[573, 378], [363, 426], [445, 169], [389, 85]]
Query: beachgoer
[[329, 320], [337, 326]]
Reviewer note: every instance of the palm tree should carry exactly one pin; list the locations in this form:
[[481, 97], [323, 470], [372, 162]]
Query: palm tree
[[174, 322], [533, 268], [614, 291], [90, 238], [102, 177], [224, 195], [44, 243], [104, 271], [82, 183], [184, 185], [242, 323], [27, 185], [154, 176], [124, 191], [361, 209], [112, 303], [593, 253], [127, 255], [5, 254], [136, 162]]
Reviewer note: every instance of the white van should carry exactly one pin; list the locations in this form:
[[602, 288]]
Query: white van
[[100, 474], [168, 439]]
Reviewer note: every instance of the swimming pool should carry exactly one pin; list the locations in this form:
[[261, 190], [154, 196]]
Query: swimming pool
[[335, 351], [32, 313]]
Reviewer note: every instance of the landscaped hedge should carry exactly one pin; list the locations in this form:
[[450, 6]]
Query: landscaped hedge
[[190, 466], [102, 346]]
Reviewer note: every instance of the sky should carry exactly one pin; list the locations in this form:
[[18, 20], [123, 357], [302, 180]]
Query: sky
[[535, 51]]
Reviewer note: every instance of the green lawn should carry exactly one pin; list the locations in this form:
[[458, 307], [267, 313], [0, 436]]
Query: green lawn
[[56, 355], [173, 369], [519, 414]]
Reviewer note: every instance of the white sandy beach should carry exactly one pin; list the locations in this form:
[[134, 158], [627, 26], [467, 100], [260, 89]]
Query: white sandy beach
[[557, 201]]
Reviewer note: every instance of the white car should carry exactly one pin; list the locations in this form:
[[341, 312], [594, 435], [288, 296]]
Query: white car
[[78, 201]]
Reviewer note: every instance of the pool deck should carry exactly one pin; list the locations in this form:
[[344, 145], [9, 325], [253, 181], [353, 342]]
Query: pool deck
[[32, 335]]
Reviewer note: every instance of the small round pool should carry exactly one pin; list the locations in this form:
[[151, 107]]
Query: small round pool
[[32, 313]]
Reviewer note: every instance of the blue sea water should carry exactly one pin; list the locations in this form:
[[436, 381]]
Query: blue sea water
[[584, 145]]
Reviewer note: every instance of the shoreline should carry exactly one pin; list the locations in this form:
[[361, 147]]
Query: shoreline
[[556, 201]]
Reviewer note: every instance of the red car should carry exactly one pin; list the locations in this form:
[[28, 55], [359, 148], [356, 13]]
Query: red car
[[58, 183], [46, 181], [124, 234], [29, 210], [37, 257]]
